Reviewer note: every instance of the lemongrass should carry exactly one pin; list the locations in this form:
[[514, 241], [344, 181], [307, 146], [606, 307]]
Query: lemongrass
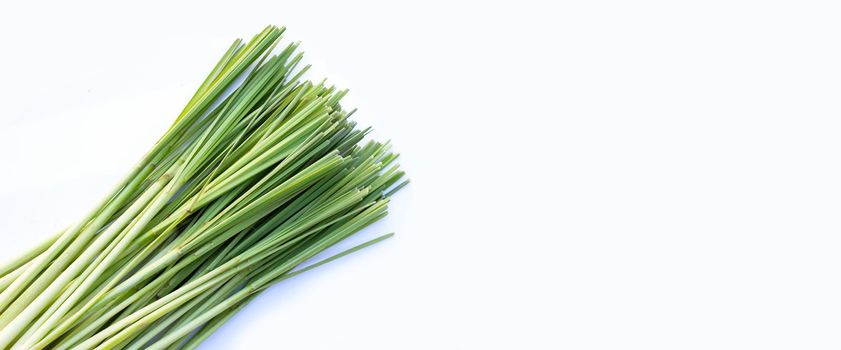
[[259, 173]]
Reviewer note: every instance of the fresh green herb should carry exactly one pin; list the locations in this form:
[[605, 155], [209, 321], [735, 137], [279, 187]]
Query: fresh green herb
[[259, 173]]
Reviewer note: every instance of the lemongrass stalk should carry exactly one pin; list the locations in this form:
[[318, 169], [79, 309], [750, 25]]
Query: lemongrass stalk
[[59, 243], [213, 261], [127, 326], [227, 290], [200, 200], [235, 65], [21, 342], [278, 196], [214, 74], [193, 342], [96, 305], [12, 292], [64, 295], [88, 310], [43, 281], [147, 335], [315, 171], [56, 258], [209, 297], [78, 312], [277, 274], [213, 192], [69, 291], [124, 269], [264, 151], [102, 316], [33, 309], [10, 277], [120, 330], [32, 281], [205, 313], [239, 300], [29, 256], [137, 296], [108, 257]]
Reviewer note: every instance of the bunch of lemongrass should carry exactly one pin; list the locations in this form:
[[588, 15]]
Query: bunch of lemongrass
[[259, 173]]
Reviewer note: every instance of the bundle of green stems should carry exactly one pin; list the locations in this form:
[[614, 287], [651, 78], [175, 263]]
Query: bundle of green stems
[[259, 173]]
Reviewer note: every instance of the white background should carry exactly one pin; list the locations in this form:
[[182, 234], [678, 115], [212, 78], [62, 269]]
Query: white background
[[586, 175]]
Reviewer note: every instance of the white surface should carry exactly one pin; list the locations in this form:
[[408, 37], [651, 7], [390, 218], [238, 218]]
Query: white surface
[[596, 175]]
